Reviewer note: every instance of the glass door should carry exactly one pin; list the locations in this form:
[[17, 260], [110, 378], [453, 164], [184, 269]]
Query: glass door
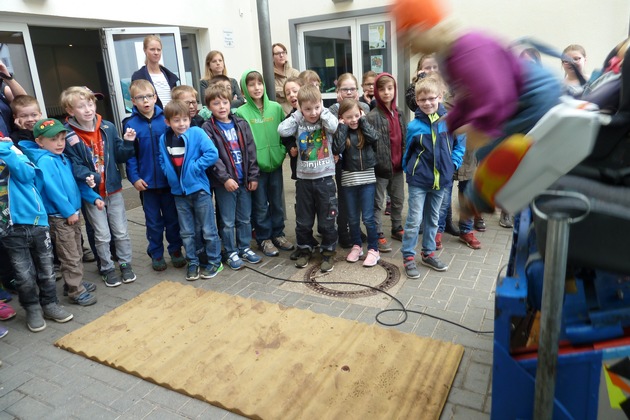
[[123, 53], [16, 52], [331, 48]]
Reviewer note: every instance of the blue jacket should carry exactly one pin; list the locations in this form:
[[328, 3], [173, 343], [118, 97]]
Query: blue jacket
[[115, 149], [26, 206], [200, 155], [431, 155], [145, 163], [60, 192], [143, 73]]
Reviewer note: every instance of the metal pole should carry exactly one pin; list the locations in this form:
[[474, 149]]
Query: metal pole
[[551, 313], [264, 31]]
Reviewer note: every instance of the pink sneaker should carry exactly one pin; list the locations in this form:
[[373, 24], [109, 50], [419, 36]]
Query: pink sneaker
[[372, 258], [6, 311], [354, 254]]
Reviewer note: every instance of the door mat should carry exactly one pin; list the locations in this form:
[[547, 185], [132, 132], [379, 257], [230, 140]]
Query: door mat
[[268, 361]]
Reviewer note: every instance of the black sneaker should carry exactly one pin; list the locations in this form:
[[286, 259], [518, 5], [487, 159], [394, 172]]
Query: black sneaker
[[111, 279], [128, 275], [303, 258], [211, 271], [432, 262], [89, 286], [328, 262], [480, 224], [398, 233], [192, 273], [84, 299]]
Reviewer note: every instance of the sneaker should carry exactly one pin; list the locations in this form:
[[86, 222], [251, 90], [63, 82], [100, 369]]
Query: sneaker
[[345, 241], [128, 275], [5, 296], [178, 260], [470, 240], [295, 254], [158, 264], [192, 273], [84, 299], [6, 311], [506, 220], [35, 318], [480, 224], [56, 313], [88, 255], [88, 285], [438, 241], [250, 256], [432, 261], [383, 244], [3, 332], [111, 279], [328, 261], [211, 271], [354, 254], [451, 228], [268, 248], [372, 258], [303, 258], [411, 269], [398, 233], [234, 261], [282, 243]]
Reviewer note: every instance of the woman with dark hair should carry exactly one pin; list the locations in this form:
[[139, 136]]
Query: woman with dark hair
[[282, 70]]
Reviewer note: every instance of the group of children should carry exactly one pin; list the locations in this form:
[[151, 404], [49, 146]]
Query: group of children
[[177, 159]]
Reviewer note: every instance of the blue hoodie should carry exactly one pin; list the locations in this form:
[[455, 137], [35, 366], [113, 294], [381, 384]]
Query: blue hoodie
[[145, 164], [25, 203], [60, 192]]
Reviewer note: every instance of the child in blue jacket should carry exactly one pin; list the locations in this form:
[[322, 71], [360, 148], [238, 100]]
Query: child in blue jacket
[[185, 154]]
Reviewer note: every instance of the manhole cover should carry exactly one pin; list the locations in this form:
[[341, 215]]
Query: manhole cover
[[384, 276]]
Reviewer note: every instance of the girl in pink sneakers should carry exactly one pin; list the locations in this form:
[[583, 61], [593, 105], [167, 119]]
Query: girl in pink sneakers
[[355, 143]]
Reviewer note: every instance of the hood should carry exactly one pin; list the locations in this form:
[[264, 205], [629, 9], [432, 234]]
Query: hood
[[158, 111], [246, 94], [33, 151], [72, 122], [379, 102], [424, 117]]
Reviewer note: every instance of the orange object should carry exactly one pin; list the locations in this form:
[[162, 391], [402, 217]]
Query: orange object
[[421, 13]]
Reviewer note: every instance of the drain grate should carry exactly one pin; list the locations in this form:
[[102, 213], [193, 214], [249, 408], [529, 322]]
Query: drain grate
[[313, 276]]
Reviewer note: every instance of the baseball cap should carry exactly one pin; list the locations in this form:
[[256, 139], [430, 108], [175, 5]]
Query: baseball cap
[[48, 127], [99, 96]]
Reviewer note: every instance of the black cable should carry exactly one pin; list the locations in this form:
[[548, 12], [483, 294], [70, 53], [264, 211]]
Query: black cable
[[402, 308]]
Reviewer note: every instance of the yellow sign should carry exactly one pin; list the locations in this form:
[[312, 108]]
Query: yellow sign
[[330, 62]]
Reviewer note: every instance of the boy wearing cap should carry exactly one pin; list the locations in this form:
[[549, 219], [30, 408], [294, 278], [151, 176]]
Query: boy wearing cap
[[26, 236], [62, 199], [95, 149]]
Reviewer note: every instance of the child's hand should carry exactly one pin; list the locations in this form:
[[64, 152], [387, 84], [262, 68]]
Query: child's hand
[[19, 124], [341, 121], [73, 219], [293, 151], [130, 134], [100, 204], [89, 180], [252, 185], [231, 185], [140, 185], [336, 157]]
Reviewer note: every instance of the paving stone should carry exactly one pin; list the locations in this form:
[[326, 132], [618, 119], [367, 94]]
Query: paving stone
[[477, 377], [466, 398], [9, 399], [29, 408]]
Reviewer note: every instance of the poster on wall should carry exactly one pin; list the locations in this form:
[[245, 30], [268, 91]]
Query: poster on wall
[[376, 63], [377, 36]]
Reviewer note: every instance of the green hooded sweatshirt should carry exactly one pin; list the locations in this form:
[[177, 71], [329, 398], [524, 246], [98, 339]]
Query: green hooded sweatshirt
[[270, 151]]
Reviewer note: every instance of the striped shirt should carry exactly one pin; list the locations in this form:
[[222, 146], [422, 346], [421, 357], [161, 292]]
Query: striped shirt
[[351, 179], [162, 88], [176, 148]]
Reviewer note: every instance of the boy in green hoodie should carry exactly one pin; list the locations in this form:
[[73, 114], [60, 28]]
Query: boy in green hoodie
[[264, 116]]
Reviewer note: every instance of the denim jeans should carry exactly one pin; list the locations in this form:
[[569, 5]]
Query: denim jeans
[[360, 201], [465, 225], [161, 216], [268, 206], [395, 187], [111, 222], [31, 253], [316, 197], [424, 207], [446, 202], [197, 210], [235, 209]]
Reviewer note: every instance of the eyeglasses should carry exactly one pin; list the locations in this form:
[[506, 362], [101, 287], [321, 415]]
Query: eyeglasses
[[348, 90], [191, 103], [140, 98], [423, 100], [279, 53]]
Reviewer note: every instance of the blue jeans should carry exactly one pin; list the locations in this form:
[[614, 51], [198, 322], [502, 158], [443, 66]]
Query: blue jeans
[[109, 223], [424, 206], [360, 201], [235, 209], [465, 226], [446, 203], [31, 253], [268, 206], [161, 215], [196, 210]]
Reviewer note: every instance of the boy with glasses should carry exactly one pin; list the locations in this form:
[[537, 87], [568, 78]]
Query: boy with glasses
[[188, 95]]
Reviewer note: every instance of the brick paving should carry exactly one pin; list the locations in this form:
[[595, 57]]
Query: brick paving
[[38, 380]]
